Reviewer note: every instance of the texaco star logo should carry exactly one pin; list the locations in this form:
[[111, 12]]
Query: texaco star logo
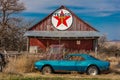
[[62, 19]]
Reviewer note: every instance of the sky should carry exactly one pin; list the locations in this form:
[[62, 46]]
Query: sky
[[104, 15]]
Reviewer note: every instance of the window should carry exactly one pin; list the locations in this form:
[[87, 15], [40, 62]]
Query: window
[[78, 58]]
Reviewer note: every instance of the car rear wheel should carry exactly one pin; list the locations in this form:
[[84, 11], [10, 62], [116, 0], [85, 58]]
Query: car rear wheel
[[46, 70], [92, 70]]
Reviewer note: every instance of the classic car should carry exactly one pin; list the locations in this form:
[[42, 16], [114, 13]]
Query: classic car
[[83, 63]]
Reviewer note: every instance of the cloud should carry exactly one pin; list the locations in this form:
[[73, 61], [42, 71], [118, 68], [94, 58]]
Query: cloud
[[83, 6], [102, 14]]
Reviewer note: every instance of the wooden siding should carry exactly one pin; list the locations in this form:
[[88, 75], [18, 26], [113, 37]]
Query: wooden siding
[[70, 44], [77, 25], [85, 44]]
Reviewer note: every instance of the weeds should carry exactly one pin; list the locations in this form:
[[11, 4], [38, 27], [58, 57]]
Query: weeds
[[21, 64]]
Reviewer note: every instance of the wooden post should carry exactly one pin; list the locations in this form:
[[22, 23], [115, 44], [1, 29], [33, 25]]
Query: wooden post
[[28, 44], [59, 43], [96, 47]]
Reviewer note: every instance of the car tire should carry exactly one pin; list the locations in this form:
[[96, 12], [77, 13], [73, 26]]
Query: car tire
[[92, 70], [46, 70]]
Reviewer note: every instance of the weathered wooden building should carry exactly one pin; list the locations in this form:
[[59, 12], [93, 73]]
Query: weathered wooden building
[[62, 27]]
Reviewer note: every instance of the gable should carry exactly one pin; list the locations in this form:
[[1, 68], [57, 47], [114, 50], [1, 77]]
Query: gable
[[77, 24]]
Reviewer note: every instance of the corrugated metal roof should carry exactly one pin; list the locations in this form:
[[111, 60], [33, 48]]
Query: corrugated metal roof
[[62, 34]]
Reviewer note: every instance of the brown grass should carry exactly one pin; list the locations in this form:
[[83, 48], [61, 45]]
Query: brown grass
[[21, 64], [25, 63]]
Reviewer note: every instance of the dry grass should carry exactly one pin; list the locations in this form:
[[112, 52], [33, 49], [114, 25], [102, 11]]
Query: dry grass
[[38, 76], [21, 64]]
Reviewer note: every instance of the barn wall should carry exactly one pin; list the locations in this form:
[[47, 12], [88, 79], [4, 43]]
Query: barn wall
[[77, 25], [85, 44]]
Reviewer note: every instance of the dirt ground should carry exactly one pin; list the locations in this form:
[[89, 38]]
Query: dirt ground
[[110, 76]]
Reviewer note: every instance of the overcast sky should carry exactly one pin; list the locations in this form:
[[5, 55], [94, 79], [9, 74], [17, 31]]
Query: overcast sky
[[103, 15]]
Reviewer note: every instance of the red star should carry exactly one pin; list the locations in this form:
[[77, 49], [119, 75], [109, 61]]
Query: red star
[[62, 19]]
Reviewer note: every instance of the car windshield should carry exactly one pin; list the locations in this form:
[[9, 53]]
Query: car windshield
[[91, 57]]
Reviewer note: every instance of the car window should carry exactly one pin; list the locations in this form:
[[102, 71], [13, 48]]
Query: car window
[[78, 58], [93, 57]]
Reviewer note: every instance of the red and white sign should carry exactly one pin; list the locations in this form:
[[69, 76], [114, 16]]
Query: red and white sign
[[62, 19]]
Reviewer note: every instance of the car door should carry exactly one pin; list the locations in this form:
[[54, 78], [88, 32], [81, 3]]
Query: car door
[[81, 65], [74, 63], [68, 65]]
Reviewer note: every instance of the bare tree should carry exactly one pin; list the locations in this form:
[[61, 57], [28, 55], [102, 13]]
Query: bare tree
[[10, 27], [7, 9], [18, 33], [102, 41]]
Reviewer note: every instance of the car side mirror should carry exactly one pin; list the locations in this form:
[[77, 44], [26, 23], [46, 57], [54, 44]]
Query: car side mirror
[[65, 58]]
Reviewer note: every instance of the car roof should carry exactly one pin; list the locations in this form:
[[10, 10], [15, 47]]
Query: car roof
[[84, 55], [78, 54]]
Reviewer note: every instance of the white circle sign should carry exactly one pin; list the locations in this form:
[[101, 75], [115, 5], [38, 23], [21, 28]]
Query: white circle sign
[[62, 19]]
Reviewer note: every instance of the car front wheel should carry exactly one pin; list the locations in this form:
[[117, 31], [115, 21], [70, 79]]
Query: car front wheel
[[92, 70], [46, 70]]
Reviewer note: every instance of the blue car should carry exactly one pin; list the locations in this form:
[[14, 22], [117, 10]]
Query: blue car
[[83, 63]]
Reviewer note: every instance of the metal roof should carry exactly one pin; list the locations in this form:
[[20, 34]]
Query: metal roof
[[62, 34]]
